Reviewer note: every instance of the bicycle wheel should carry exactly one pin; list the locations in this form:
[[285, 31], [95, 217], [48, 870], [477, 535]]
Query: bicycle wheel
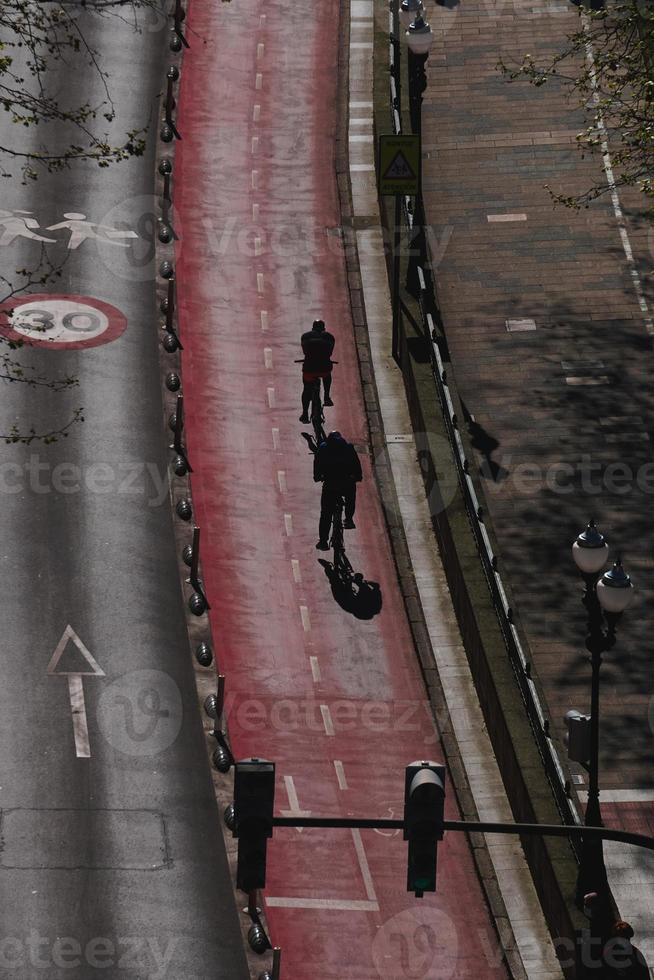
[[317, 417], [337, 533]]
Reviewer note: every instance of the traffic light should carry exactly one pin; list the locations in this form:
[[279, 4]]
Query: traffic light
[[577, 737], [424, 803], [254, 798]]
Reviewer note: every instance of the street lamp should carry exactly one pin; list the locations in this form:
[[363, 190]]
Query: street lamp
[[419, 39], [409, 10], [605, 601]]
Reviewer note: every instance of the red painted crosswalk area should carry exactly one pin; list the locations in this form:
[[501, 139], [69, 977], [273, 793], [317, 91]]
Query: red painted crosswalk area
[[333, 695]]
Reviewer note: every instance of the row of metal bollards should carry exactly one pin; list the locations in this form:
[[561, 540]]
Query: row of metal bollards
[[222, 758]]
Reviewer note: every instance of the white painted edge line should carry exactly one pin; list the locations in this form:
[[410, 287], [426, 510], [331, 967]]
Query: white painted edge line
[[336, 904], [358, 168], [367, 45], [621, 795], [360, 138], [361, 105]]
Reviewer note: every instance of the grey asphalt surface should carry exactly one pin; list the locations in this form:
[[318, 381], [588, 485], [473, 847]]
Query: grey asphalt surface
[[112, 865]]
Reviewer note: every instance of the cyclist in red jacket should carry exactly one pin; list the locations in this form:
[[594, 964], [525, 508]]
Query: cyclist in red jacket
[[317, 347]]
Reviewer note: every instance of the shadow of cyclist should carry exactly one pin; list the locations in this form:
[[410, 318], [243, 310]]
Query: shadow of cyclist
[[353, 593]]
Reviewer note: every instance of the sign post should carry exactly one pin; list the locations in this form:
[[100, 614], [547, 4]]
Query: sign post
[[399, 175]]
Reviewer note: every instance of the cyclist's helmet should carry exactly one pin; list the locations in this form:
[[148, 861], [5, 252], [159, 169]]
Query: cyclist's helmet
[[335, 437], [318, 326]]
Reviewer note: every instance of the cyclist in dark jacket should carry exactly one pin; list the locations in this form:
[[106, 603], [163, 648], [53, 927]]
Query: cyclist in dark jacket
[[317, 347], [336, 464]]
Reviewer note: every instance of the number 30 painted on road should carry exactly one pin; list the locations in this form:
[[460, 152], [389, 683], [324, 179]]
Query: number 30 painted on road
[[60, 322]]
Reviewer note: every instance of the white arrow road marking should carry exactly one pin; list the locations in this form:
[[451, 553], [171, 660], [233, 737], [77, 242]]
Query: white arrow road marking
[[80, 721], [76, 688], [293, 802]]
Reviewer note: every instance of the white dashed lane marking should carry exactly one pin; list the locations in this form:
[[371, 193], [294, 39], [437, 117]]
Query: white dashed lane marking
[[256, 112], [275, 439], [297, 575], [271, 398], [340, 774], [281, 480], [315, 670], [264, 319], [288, 524], [306, 621], [258, 82], [327, 719]]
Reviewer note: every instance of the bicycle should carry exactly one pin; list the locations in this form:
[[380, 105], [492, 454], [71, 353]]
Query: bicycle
[[317, 416], [341, 562]]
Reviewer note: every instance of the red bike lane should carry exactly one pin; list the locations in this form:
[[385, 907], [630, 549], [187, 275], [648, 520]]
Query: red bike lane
[[334, 697]]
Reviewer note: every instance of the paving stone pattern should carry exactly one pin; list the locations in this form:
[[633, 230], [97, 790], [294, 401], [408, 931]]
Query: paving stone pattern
[[574, 392]]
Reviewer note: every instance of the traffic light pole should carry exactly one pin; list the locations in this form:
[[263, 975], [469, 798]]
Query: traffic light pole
[[476, 826]]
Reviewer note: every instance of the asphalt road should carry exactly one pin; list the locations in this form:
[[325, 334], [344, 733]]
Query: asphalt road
[[112, 862]]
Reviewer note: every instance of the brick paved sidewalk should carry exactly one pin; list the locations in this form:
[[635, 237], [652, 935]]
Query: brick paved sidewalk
[[573, 389]]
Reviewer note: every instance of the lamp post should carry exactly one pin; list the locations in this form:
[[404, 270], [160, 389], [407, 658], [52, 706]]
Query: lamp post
[[419, 41], [409, 10], [605, 599]]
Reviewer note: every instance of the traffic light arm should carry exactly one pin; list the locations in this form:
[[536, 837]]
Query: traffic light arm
[[474, 826]]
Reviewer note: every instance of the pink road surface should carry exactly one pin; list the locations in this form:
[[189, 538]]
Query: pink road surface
[[336, 701]]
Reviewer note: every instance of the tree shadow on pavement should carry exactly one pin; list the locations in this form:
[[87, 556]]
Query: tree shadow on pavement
[[353, 593]]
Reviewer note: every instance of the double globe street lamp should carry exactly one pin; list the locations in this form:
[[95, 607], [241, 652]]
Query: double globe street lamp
[[606, 597]]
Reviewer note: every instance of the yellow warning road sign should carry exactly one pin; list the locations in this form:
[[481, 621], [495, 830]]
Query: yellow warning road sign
[[399, 164]]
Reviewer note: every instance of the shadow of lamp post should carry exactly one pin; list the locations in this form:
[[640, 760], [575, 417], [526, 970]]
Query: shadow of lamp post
[[605, 597]]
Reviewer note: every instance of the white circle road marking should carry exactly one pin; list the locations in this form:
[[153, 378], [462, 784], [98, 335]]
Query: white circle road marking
[[61, 321]]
